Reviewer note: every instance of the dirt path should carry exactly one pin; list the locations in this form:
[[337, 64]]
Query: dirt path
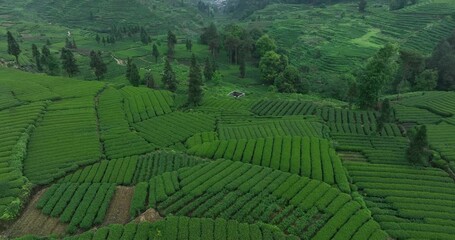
[[119, 210], [32, 221], [119, 61]]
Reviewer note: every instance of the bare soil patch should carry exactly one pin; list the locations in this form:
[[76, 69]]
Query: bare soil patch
[[119, 210], [33, 221]]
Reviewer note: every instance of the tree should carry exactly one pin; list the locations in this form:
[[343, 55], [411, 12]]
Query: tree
[[13, 47], [385, 117], [37, 56], [265, 44], [104, 41], [171, 41], [195, 83], [362, 6], [134, 77], [98, 39], [208, 69], [97, 64], [129, 62], [148, 80], [417, 152], [411, 64], [69, 62], [169, 79], [49, 62], [155, 52], [397, 4], [426, 81], [443, 59], [290, 81], [144, 36], [189, 45], [242, 68], [378, 71], [271, 66], [211, 38]]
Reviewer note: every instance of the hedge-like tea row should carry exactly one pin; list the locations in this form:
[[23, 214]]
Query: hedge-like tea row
[[143, 103], [365, 129], [406, 114], [200, 138], [63, 141], [385, 150], [408, 202], [311, 157], [329, 114], [270, 128], [440, 103], [16, 125], [250, 193], [174, 127], [80, 205], [441, 137], [184, 228], [118, 140], [131, 170]]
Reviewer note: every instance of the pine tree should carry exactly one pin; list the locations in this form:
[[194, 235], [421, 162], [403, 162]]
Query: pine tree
[[149, 81], [97, 64], [362, 5], [242, 68], [417, 152], [104, 41], [13, 47], [155, 52], [49, 62], [169, 79], [129, 61], [189, 45], [37, 56], [385, 117], [208, 70], [144, 36], [135, 78], [195, 83], [98, 39], [69, 62], [171, 41], [74, 44]]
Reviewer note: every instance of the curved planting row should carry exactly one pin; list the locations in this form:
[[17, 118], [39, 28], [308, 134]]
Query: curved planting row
[[329, 114], [63, 141], [131, 170], [118, 140], [80, 205], [184, 228], [309, 209], [270, 128], [174, 128], [143, 103], [311, 157], [408, 202], [16, 126]]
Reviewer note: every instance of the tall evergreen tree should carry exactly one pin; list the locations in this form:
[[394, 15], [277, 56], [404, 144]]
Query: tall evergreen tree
[[385, 117], [13, 47], [98, 39], [134, 76], [242, 67], [97, 64], [144, 36], [169, 79], [149, 81], [417, 152], [155, 52], [171, 41], [49, 62], [208, 70], [37, 56], [195, 83], [362, 6], [69, 62], [129, 62], [189, 45]]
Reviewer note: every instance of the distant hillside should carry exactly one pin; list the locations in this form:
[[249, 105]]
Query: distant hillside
[[158, 16]]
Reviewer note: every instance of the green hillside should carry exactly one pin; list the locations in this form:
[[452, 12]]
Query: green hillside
[[250, 120]]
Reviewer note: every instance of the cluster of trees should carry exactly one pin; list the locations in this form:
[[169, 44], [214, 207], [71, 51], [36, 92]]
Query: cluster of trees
[[443, 61], [104, 40], [97, 64], [70, 44]]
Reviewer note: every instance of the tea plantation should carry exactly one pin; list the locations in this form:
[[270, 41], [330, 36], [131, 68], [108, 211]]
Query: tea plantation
[[224, 120]]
